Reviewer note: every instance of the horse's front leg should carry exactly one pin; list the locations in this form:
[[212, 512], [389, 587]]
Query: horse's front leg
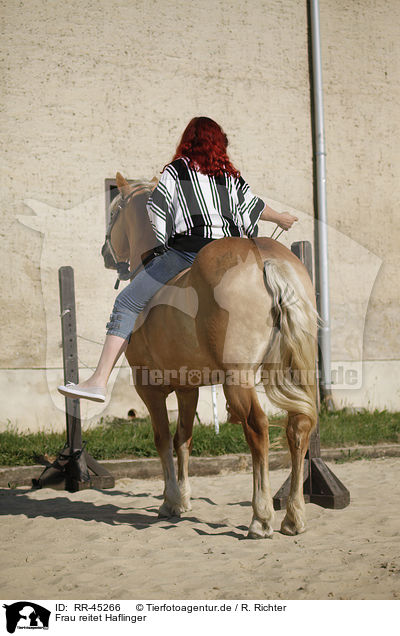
[[187, 403], [154, 399], [298, 433]]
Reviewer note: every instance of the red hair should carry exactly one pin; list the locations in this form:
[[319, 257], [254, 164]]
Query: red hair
[[204, 143]]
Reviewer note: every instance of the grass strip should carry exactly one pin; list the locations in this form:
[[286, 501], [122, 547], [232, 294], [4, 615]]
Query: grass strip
[[119, 438]]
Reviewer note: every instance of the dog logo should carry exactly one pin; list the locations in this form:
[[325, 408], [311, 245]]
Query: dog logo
[[26, 615]]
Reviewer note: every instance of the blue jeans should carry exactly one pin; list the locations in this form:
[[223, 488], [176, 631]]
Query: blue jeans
[[135, 296]]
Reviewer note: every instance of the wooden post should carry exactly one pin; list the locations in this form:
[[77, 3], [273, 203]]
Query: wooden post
[[321, 486], [70, 471], [70, 354]]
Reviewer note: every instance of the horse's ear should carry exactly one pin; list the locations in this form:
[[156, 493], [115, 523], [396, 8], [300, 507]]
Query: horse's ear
[[121, 181], [154, 182], [122, 184]]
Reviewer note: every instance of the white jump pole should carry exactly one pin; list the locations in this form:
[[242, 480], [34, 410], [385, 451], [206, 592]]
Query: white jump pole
[[215, 408]]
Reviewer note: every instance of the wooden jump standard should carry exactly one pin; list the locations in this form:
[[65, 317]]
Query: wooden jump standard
[[74, 469], [321, 486]]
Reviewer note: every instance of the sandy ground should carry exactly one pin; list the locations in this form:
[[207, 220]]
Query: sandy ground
[[110, 545]]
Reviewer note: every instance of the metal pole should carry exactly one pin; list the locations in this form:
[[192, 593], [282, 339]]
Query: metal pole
[[322, 273]]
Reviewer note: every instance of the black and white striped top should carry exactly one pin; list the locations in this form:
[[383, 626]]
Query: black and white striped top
[[188, 209]]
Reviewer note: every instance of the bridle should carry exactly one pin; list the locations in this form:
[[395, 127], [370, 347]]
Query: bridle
[[122, 203], [122, 267]]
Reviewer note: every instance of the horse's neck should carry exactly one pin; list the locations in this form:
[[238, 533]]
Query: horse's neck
[[141, 236]]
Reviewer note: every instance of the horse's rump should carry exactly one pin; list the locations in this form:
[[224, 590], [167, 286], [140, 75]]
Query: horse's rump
[[221, 314]]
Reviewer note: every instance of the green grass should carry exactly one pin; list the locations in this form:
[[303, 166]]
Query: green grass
[[119, 438], [342, 428]]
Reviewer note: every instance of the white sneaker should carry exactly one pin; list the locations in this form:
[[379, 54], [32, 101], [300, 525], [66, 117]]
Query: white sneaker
[[74, 391]]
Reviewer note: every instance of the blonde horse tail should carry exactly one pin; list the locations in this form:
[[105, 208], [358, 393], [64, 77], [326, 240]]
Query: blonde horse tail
[[289, 365]]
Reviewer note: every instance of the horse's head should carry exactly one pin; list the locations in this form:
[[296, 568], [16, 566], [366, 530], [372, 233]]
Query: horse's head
[[129, 232]]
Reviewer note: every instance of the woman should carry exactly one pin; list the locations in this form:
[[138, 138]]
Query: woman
[[200, 197]]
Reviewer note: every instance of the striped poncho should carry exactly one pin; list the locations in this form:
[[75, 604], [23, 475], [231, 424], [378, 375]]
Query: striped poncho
[[188, 209]]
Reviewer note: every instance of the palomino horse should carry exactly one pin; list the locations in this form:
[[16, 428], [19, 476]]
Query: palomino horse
[[245, 305]]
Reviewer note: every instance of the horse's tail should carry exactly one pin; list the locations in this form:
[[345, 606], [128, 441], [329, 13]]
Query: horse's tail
[[289, 365]]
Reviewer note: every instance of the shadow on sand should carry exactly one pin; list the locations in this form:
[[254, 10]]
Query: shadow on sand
[[18, 502]]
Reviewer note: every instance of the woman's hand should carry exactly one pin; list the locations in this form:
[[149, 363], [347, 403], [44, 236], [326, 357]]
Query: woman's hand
[[285, 220]]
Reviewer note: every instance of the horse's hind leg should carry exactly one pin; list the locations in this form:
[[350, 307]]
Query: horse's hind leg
[[244, 405], [155, 402], [187, 403], [298, 433]]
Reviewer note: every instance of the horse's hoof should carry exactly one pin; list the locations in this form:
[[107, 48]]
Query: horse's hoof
[[185, 508], [259, 535], [291, 529], [259, 530], [167, 512]]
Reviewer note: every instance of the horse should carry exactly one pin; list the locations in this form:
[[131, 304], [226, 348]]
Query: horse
[[245, 307]]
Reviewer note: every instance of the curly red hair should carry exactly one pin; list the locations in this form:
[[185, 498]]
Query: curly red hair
[[204, 143]]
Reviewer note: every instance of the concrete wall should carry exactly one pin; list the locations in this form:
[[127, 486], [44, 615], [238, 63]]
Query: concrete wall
[[90, 88]]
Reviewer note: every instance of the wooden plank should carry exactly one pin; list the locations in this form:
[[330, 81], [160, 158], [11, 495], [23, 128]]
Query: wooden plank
[[97, 468], [303, 251], [70, 353], [101, 482], [327, 489]]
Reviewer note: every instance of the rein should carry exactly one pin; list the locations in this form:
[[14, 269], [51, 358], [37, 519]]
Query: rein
[[122, 266], [273, 233]]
